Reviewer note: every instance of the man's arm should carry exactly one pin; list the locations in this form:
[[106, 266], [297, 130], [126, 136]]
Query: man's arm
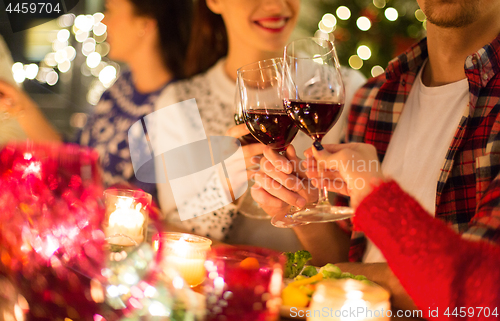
[[326, 242], [381, 274]]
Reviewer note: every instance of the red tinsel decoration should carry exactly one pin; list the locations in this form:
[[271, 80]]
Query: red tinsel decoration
[[51, 242]]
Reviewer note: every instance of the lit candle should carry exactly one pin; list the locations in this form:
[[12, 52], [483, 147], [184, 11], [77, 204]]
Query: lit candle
[[186, 253], [347, 299], [126, 219]]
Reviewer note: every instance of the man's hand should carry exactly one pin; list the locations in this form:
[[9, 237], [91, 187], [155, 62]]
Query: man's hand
[[282, 183], [349, 169]]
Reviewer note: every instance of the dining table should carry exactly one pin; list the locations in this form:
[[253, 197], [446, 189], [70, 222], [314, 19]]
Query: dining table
[[215, 242]]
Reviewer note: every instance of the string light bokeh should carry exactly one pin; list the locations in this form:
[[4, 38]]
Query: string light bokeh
[[368, 33], [78, 35]]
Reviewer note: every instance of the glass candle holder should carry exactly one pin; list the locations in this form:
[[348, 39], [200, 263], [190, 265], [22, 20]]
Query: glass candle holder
[[349, 299], [244, 283], [126, 219], [186, 253]]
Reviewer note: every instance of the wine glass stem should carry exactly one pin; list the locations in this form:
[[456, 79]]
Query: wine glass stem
[[322, 190]]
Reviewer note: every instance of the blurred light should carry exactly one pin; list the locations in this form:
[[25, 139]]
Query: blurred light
[[102, 49], [420, 15], [17, 66], [42, 74], [63, 35], [321, 34], [19, 75], [324, 28], [355, 62], [391, 14], [81, 35], [107, 75], [60, 56], [329, 20], [100, 29], [78, 120], [377, 70], [364, 52], [84, 23], [88, 46], [70, 53], [93, 60], [95, 71], [98, 16], [158, 309], [379, 3], [85, 70], [66, 20], [64, 66], [52, 78], [178, 282], [363, 23], [113, 291], [31, 71], [59, 45], [50, 59], [149, 292], [100, 38], [343, 13]]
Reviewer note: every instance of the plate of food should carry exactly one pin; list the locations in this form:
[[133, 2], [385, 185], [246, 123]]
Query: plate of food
[[300, 282]]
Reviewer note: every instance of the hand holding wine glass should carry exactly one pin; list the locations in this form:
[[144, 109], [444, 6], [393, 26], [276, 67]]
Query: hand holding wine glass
[[314, 95], [354, 181], [258, 103]]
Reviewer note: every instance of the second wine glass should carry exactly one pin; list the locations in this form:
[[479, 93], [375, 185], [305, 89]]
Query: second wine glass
[[314, 95]]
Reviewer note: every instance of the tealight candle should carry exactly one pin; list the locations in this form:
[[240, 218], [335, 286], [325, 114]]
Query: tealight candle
[[186, 253], [126, 216], [348, 299]]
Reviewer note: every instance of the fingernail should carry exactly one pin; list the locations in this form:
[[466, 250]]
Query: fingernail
[[301, 202], [318, 146]]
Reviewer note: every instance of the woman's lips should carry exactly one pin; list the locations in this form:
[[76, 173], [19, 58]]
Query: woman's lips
[[274, 24]]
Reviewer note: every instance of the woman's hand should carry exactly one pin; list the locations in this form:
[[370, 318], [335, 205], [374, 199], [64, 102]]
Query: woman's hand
[[281, 182], [350, 169], [252, 153], [13, 100]]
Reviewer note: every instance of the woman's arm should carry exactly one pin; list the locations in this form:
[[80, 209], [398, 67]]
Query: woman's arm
[[17, 103], [437, 267]]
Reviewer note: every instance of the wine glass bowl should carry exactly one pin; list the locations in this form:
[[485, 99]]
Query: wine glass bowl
[[262, 105]]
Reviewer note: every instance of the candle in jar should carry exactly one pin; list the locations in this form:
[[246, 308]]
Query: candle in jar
[[126, 223], [186, 254], [347, 299]]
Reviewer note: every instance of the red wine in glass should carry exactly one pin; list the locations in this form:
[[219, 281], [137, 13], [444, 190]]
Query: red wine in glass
[[271, 127], [248, 138], [314, 118]]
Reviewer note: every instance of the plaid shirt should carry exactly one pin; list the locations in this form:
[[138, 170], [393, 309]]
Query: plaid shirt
[[468, 189]]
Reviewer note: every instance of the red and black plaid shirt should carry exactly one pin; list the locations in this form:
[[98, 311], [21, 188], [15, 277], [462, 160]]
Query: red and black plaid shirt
[[468, 189]]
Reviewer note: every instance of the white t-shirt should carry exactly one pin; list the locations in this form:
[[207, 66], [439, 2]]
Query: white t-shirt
[[214, 92], [417, 150]]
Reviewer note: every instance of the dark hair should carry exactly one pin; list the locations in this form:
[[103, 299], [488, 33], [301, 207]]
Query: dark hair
[[208, 42], [174, 24]]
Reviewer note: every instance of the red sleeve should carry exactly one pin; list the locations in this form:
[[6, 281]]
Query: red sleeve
[[437, 267]]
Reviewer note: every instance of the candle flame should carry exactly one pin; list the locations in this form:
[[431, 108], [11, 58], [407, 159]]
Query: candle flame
[[126, 215]]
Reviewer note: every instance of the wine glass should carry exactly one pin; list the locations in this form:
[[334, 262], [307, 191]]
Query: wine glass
[[247, 206], [313, 95], [260, 88], [259, 102]]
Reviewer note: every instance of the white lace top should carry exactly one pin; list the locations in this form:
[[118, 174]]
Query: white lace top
[[214, 93]]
